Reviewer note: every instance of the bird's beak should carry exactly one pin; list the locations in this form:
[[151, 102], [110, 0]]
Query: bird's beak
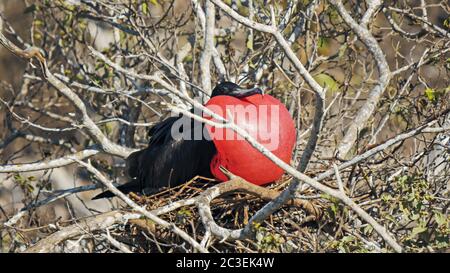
[[242, 93]]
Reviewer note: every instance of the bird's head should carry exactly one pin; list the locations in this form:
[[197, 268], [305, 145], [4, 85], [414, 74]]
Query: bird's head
[[234, 90]]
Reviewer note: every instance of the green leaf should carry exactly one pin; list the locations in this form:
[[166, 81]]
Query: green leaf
[[144, 8], [347, 239], [324, 46], [430, 93], [368, 229], [415, 217], [447, 90], [38, 22], [447, 22], [250, 44], [417, 230], [342, 50], [109, 127], [326, 81], [440, 218]]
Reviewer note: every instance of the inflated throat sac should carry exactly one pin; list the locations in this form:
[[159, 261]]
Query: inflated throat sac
[[267, 120]]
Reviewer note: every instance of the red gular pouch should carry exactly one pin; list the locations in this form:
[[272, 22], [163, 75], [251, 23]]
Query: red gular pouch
[[267, 120]]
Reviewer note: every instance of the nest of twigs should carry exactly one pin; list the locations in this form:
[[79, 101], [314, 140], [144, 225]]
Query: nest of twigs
[[287, 230], [314, 222]]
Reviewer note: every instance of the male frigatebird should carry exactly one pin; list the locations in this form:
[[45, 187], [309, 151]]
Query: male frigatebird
[[169, 161]]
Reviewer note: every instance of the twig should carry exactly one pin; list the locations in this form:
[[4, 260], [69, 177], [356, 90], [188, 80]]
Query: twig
[[206, 55], [49, 164], [97, 222], [366, 110], [116, 243], [141, 210], [87, 123]]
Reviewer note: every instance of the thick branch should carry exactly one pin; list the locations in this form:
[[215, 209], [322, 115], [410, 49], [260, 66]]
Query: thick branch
[[208, 37], [49, 164]]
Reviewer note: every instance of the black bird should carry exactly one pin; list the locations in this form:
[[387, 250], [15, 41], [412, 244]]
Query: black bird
[[168, 161]]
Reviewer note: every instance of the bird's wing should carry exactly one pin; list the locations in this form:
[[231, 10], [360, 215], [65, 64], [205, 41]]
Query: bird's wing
[[160, 132], [168, 161]]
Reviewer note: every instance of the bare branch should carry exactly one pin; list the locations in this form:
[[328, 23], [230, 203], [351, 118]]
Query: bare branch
[[207, 53], [142, 210], [98, 222], [365, 111], [86, 122], [49, 164]]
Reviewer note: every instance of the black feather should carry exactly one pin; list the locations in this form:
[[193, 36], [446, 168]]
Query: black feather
[[169, 161]]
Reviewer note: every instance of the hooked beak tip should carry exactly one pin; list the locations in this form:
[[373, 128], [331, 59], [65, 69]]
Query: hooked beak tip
[[242, 93]]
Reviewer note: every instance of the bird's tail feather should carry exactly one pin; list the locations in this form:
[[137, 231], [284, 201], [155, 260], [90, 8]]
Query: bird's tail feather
[[132, 186]]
